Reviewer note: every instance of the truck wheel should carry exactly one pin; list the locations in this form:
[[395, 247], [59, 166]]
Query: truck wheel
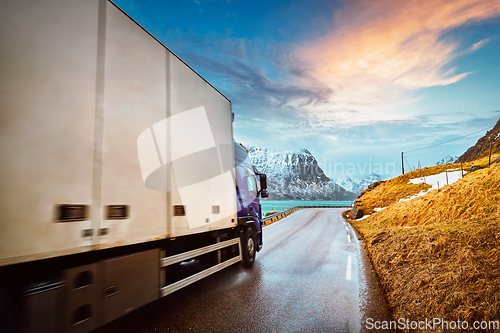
[[248, 247], [6, 313]]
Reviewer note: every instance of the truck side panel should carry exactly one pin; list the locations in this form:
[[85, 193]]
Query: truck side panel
[[201, 149], [135, 98], [47, 103], [100, 116]]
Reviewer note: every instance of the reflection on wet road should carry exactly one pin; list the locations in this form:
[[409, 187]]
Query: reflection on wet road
[[311, 276]]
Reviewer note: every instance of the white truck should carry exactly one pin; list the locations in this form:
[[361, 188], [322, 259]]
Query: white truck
[[117, 169]]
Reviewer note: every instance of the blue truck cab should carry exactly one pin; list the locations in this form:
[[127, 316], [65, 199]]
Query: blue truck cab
[[250, 185]]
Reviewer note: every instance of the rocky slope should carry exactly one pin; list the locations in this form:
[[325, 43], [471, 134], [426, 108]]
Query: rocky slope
[[482, 147], [296, 175]]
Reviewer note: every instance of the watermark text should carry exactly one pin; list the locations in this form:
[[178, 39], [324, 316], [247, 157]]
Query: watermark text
[[431, 324]]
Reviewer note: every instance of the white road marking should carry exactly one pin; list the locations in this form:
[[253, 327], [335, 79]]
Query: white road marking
[[349, 238], [348, 273]]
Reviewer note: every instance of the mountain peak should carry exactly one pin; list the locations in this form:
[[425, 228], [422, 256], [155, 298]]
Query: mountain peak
[[295, 175], [356, 186], [447, 159]]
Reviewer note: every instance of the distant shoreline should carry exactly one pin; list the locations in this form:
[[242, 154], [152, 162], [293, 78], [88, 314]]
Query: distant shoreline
[[281, 205]]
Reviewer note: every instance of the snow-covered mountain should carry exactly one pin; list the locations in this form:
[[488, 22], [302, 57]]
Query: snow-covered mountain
[[447, 159], [363, 184], [348, 183], [295, 175], [357, 185]]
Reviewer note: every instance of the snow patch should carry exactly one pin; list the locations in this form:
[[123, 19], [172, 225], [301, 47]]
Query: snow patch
[[439, 180], [436, 181], [421, 193]]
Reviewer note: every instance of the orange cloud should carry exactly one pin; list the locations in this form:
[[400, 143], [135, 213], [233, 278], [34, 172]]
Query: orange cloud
[[479, 44], [378, 49]]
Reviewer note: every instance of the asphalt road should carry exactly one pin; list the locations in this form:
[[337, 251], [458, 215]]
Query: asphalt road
[[311, 276]]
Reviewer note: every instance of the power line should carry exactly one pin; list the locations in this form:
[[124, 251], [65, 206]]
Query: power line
[[409, 165], [442, 143], [435, 151]]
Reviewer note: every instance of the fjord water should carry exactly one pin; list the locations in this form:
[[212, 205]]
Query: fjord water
[[281, 205]]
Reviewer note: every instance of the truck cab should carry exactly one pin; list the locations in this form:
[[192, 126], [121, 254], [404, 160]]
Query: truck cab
[[250, 184]]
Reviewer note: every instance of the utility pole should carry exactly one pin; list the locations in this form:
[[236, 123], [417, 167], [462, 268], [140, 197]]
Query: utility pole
[[402, 163]]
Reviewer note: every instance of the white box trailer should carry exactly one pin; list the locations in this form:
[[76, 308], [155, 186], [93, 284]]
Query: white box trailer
[[117, 161]]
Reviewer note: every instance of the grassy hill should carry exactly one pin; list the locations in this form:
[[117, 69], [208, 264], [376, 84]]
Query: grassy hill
[[437, 255]]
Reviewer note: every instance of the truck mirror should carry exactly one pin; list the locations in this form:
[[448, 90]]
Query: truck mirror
[[263, 181], [264, 194]]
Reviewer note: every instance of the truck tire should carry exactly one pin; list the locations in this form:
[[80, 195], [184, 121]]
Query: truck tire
[[248, 247], [7, 313]]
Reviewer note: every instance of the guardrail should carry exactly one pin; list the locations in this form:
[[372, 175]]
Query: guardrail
[[278, 216]]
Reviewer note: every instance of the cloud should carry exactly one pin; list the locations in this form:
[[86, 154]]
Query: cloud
[[479, 44], [251, 84], [379, 50], [363, 72]]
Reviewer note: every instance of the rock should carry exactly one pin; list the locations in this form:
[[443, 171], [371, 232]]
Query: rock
[[363, 192], [356, 213], [478, 167], [475, 168], [375, 184]]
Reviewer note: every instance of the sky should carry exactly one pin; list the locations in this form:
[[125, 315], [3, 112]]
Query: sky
[[354, 82]]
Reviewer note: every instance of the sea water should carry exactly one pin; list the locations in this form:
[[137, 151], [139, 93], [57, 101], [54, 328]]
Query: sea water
[[281, 205]]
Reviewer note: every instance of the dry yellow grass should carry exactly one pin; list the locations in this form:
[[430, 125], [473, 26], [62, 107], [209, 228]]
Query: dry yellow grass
[[441, 271], [476, 195], [398, 188], [438, 256]]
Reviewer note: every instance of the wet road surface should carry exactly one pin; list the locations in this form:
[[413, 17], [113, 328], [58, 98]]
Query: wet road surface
[[311, 276]]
